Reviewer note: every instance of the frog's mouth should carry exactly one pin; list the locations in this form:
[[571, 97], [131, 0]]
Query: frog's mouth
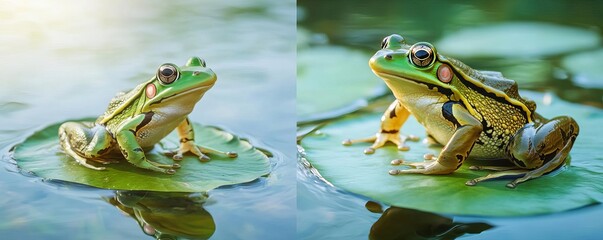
[[394, 80], [198, 90]]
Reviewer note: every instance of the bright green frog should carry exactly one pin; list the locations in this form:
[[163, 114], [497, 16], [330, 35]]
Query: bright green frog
[[135, 121], [477, 114]]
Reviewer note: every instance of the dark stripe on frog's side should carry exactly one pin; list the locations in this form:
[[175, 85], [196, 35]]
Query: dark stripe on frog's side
[[447, 113], [488, 130], [148, 116], [483, 91], [183, 140], [389, 131]]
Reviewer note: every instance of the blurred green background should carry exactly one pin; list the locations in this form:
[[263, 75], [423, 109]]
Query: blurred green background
[[553, 47]]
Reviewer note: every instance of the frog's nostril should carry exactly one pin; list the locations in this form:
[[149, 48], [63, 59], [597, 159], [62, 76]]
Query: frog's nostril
[[388, 56]]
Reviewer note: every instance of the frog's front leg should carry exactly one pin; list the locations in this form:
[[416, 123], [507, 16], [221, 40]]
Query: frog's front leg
[[187, 144], [133, 152], [85, 141], [468, 130], [391, 122]]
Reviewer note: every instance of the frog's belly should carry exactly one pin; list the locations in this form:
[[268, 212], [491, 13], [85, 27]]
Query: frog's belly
[[155, 131], [487, 152]]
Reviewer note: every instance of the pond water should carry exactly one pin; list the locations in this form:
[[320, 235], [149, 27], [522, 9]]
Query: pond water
[[66, 60], [527, 41]]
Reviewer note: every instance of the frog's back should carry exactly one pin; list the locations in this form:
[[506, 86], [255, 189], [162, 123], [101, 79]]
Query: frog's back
[[494, 80], [121, 107]]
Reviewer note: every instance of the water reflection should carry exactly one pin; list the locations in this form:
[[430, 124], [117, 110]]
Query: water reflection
[[167, 215], [405, 223]]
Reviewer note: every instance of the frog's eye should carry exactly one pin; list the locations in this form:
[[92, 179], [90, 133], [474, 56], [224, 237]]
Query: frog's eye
[[167, 73], [421, 55], [203, 62]]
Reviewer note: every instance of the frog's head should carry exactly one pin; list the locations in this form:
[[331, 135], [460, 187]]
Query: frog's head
[[179, 87], [415, 66]]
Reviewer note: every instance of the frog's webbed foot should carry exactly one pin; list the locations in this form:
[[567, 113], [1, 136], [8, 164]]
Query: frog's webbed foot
[[380, 139], [200, 152], [81, 160], [429, 166], [104, 161], [495, 175]]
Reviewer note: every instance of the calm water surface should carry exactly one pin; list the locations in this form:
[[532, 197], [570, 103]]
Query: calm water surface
[[325, 212], [66, 59]]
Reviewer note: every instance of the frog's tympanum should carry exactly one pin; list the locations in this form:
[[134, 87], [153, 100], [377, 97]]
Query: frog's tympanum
[[477, 114], [135, 121]]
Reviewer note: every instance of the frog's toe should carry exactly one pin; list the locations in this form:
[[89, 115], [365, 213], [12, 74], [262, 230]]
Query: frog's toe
[[176, 166], [232, 154], [170, 171], [396, 162], [403, 147], [177, 156], [418, 165], [369, 150], [204, 158], [471, 182], [412, 138], [475, 168]]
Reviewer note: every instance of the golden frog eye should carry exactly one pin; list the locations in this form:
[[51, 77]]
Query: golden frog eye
[[421, 55], [168, 73]]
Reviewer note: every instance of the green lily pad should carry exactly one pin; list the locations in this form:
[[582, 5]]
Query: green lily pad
[[41, 155], [324, 84], [586, 68], [521, 39], [347, 167]]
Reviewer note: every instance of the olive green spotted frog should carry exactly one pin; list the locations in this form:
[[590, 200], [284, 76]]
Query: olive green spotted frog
[[472, 113], [135, 121]]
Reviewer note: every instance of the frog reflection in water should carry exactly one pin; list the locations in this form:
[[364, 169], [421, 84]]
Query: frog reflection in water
[[167, 215], [135, 121], [409, 224], [477, 114]]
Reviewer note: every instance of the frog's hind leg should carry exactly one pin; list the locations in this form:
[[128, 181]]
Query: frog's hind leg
[[543, 148], [548, 167], [84, 141], [496, 175]]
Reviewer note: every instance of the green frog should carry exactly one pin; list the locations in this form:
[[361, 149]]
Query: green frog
[[135, 121], [472, 113]]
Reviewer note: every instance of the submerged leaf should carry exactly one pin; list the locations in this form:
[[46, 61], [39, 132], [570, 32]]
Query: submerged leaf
[[586, 68], [349, 168], [41, 155], [326, 85]]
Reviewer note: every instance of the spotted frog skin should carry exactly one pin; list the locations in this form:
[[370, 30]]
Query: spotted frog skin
[[135, 121], [477, 114]]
